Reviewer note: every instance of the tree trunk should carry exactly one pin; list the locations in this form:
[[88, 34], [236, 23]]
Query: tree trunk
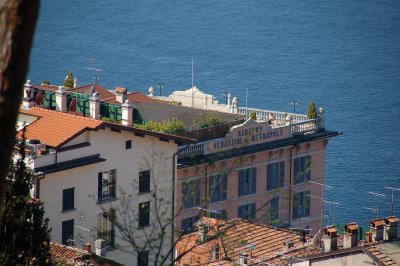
[[17, 24]]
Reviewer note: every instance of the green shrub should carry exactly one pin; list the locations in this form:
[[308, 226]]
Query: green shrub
[[312, 111], [69, 80], [253, 115], [170, 126], [209, 120]]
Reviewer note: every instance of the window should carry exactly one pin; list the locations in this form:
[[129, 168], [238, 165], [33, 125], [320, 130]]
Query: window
[[144, 213], [218, 187], [275, 175], [220, 214], [68, 199], [248, 211], [144, 181], [302, 169], [128, 144], [301, 204], [105, 227], [67, 232], [191, 193], [188, 224], [143, 258], [247, 181], [106, 185], [274, 210]]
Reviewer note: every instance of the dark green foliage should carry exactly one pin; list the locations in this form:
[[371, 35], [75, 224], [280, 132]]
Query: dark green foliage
[[312, 111], [23, 231], [46, 82], [69, 80], [209, 120], [170, 126], [253, 116]]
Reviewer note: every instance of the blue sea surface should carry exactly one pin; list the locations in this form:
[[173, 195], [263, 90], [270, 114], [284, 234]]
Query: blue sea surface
[[344, 55]]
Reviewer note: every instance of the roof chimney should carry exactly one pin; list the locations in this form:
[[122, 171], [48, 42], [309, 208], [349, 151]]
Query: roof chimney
[[391, 228], [100, 246], [203, 231], [89, 247], [94, 106], [121, 94], [27, 101], [376, 228], [350, 235], [61, 99], [127, 113], [243, 258], [330, 238]]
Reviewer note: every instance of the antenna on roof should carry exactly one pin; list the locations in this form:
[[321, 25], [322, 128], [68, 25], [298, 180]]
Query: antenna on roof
[[392, 202], [376, 195], [95, 69]]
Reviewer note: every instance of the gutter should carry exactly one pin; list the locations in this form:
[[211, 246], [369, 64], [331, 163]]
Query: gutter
[[174, 159]]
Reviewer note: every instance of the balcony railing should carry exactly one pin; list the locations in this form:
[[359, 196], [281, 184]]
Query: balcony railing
[[306, 127], [192, 150], [263, 115], [298, 128]]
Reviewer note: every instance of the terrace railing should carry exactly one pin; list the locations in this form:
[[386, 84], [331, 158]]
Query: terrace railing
[[263, 115]]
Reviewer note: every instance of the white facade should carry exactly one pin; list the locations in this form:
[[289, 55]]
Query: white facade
[[146, 153]]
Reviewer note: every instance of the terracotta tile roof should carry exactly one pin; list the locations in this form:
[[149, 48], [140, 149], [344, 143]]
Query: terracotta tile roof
[[134, 97], [46, 87], [236, 236], [62, 254], [56, 128], [103, 92]]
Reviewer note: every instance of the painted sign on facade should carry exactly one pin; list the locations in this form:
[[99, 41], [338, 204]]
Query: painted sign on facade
[[249, 133]]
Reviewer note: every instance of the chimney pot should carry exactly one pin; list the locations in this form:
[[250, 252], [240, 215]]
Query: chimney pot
[[390, 228], [89, 247], [61, 99], [100, 246], [377, 228], [330, 238], [350, 235], [121, 94]]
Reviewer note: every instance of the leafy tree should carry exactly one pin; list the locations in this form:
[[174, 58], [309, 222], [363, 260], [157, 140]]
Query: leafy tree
[[253, 116], [69, 80], [312, 111], [46, 82], [25, 238]]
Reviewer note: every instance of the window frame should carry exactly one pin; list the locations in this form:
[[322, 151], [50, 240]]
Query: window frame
[[144, 185], [218, 187], [67, 224], [301, 204], [106, 220], [128, 144], [302, 169], [248, 187], [107, 191], [144, 214], [188, 224], [273, 212], [191, 193], [275, 175], [140, 261], [248, 210], [68, 200]]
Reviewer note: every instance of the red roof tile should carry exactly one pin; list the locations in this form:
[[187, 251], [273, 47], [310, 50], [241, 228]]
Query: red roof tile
[[235, 236], [56, 128], [62, 254]]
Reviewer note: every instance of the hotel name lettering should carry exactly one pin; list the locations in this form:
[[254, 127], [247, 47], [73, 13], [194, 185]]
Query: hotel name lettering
[[248, 135]]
